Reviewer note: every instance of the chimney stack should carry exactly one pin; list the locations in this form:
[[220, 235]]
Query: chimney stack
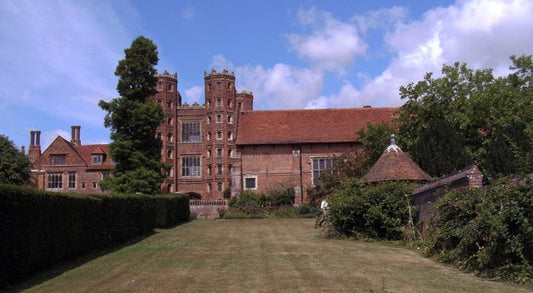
[[75, 135], [34, 151]]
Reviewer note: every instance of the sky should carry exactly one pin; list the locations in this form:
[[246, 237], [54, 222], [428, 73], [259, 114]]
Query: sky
[[58, 57]]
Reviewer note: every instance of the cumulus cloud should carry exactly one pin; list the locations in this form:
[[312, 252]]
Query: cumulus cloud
[[481, 33], [281, 86], [219, 63], [193, 94], [333, 46]]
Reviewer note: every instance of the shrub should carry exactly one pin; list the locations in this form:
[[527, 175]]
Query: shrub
[[371, 211], [489, 231], [172, 209]]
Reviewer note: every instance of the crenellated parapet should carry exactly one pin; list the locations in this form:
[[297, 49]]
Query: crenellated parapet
[[169, 75], [214, 72], [195, 105]]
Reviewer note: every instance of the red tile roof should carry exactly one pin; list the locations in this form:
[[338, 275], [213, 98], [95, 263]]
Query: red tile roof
[[307, 126], [395, 165], [86, 152]]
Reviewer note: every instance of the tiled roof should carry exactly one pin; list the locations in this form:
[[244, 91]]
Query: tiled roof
[[86, 152], [308, 126], [395, 165]]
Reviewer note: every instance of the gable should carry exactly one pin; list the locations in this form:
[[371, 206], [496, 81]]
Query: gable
[[60, 147]]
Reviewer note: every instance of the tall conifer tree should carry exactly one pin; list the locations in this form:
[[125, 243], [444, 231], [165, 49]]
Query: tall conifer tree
[[133, 119]]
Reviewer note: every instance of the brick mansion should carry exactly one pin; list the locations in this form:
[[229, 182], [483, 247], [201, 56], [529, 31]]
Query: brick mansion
[[220, 145]]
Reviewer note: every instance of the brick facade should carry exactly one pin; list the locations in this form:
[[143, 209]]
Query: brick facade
[[215, 147], [68, 166]]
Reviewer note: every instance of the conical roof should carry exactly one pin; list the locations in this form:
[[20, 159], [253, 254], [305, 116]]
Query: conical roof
[[395, 165]]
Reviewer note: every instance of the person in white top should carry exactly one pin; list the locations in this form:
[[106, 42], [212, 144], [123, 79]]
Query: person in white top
[[323, 217]]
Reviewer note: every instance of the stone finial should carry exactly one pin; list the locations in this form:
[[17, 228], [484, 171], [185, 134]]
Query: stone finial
[[393, 146]]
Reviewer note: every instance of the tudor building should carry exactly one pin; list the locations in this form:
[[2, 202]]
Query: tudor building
[[224, 145]]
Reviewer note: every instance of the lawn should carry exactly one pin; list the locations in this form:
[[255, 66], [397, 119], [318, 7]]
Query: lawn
[[261, 255]]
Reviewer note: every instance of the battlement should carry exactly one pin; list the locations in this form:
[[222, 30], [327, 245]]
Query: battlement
[[214, 72], [195, 105], [166, 74], [244, 92]]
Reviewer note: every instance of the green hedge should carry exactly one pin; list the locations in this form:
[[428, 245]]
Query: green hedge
[[40, 229], [172, 209]]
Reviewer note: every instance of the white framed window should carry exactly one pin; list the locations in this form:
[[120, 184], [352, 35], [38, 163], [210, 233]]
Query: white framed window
[[219, 135], [219, 118], [55, 181], [220, 186], [71, 180], [320, 164], [98, 159], [190, 166], [250, 182]]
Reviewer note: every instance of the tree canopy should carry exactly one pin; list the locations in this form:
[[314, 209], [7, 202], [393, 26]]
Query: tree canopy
[[133, 119], [15, 167], [469, 116]]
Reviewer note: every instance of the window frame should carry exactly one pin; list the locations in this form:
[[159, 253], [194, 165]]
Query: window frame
[[54, 181], [319, 164], [245, 182], [191, 132], [191, 166]]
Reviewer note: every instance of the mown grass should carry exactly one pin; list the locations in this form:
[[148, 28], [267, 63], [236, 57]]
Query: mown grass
[[261, 255]]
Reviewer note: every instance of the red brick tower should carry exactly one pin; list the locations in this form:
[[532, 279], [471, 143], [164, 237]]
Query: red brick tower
[[220, 110], [169, 98]]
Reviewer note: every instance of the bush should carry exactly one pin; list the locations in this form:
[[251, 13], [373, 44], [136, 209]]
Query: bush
[[489, 231], [371, 211], [172, 209]]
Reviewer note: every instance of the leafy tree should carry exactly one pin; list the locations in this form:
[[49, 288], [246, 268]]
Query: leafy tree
[[468, 116], [375, 139], [15, 167], [133, 119]]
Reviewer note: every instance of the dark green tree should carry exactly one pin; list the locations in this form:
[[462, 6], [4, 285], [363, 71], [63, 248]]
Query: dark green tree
[[15, 167], [133, 119], [468, 116], [376, 139]]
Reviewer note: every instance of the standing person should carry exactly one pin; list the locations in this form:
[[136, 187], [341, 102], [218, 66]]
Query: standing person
[[324, 207]]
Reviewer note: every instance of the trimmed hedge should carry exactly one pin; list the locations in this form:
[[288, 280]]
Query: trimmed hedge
[[172, 209], [40, 229]]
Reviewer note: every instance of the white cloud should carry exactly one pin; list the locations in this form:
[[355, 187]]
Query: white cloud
[[380, 19], [219, 63], [73, 48], [481, 33], [333, 46], [281, 86], [194, 94]]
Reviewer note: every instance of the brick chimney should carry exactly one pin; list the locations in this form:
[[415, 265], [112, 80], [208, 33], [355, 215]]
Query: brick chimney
[[34, 151], [75, 135]]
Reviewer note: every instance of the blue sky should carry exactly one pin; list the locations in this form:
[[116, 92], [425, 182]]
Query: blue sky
[[58, 57]]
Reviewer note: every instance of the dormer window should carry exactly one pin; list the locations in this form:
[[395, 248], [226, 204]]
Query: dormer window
[[98, 159]]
